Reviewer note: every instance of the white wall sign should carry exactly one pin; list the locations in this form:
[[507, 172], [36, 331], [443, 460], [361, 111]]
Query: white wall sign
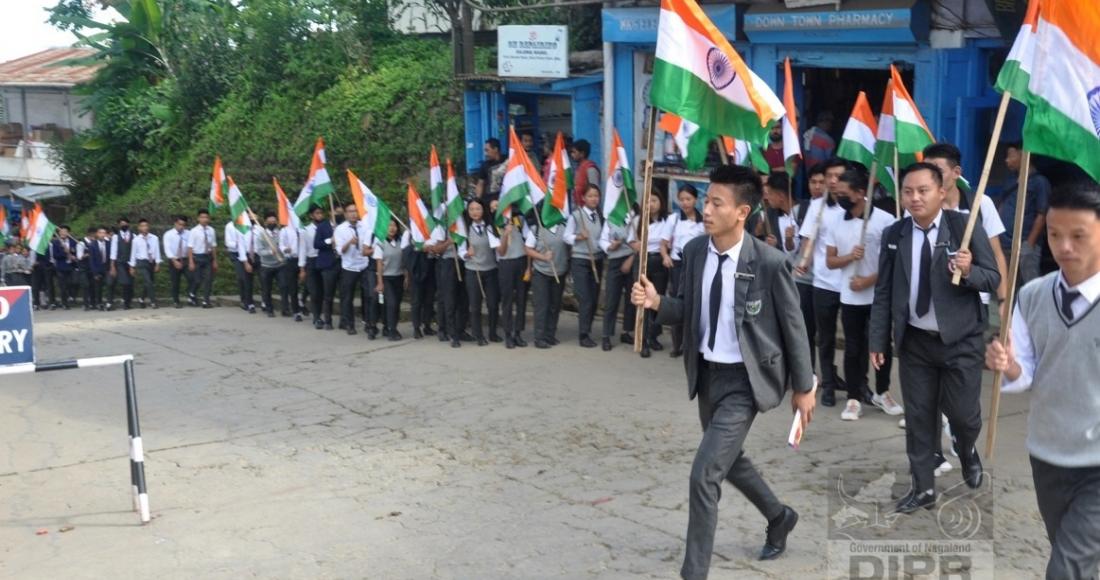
[[533, 51]]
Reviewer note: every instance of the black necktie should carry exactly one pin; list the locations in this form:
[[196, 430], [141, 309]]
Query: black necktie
[[1068, 298], [715, 300], [592, 217], [924, 283]]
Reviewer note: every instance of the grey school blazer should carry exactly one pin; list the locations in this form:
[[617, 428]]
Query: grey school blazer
[[768, 320]]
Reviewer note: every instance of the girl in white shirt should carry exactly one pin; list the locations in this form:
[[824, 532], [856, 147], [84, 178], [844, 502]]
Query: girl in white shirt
[[656, 270], [683, 226]]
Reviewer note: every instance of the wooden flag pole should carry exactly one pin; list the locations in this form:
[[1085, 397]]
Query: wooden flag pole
[[267, 238], [538, 218], [808, 246], [331, 211], [868, 202], [643, 238], [897, 186], [479, 284], [588, 243], [722, 151], [991, 151], [1010, 296]]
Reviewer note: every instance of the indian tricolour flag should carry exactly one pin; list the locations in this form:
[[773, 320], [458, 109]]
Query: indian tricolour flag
[[455, 208], [522, 185], [791, 146], [374, 214], [318, 185], [699, 76], [1054, 69], [42, 231], [744, 153], [692, 141], [560, 179], [238, 208], [5, 227], [219, 187], [618, 193], [286, 211], [910, 131], [436, 188], [858, 142], [421, 223]]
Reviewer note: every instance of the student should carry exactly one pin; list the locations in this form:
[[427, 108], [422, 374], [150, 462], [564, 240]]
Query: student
[[615, 242], [937, 327], [202, 243], [1052, 352], [324, 269], [370, 309], [420, 266], [270, 259], [582, 233], [657, 264], [11, 266], [248, 248], [686, 225], [447, 272], [853, 248], [122, 242], [482, 282], [550, 260], [63, 253], [290, 245], [347, 240], [233, 238], [389, 254], [512, 261], [145, 261], [41, 279], [83, 258], [175, 251], [804, 280]]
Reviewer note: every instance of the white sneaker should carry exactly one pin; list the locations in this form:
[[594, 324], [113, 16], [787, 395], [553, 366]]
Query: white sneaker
[[887, 404], [852, 411], [901, 423], [942, 469], [947, 432]]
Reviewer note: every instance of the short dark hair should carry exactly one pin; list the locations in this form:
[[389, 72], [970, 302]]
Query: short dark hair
[[835, 162], [63, 227], [181, 218], [530, 134], [350, 204], [778, 180], [925, 166], [1083, 194], [817, 169], [583, 147], [595, 186], [744, 181], [203, 212], [270, 214], [945, 151], [313, 208], [1017, 145], [123, 219], [142, 221], [91, 230], [689, 189], [855, 178], [493, 142]]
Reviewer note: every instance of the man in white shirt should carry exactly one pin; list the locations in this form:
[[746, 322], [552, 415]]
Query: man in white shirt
[[290, 244], [202, 243], [348, 239], [249, 261], [1052, 352], [852, 247], [145, 261], [175, 251]]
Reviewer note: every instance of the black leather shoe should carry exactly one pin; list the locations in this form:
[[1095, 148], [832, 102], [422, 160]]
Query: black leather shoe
[[270, 314], [509, 342], [626, 338], [417, 334], [656, 346], [553, 341], [442, 336], [519, 340], [972, 468], [456, 343], [779, 528], [914, 500], [828, 397], [204, 305], [428, 331], [372, 332], [676, 353], [352, 331], [606, 345], [481, 341], [394, 336], [645, 351], [541, 344], [494, 337], [318, 324], [587, 342], [467, 337], [328, 326]]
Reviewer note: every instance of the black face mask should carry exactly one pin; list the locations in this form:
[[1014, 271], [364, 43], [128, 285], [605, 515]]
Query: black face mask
[[272, 227], [845, 203]]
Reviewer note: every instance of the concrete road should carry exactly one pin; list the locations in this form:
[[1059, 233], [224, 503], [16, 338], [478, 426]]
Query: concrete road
[[278, 451]]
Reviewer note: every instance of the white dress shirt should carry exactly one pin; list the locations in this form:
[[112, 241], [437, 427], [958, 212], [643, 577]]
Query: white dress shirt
[[680, 233], [308, 235], [844, 235], [727, 349], [232, 236], [1022, 346], [570, 235], [175, 244], [289, 241], [824, 278], [928, 321], [352, 259], [658, 230], [146, 247], [785, 221], [202, 240], [991, 224]]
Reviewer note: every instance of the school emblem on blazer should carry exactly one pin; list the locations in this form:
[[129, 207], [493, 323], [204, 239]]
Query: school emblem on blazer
[[752, 307]]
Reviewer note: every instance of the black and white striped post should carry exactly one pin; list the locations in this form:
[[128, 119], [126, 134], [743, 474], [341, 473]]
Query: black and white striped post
[[137, 450]]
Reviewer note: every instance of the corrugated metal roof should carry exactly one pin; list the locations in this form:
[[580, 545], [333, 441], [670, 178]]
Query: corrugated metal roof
[[40, 70]]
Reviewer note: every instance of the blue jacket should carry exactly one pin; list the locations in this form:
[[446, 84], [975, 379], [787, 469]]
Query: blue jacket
[[97, 261], [64, 262], [326, 255]]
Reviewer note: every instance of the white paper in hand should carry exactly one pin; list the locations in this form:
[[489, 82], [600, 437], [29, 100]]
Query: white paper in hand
[[795, 436]]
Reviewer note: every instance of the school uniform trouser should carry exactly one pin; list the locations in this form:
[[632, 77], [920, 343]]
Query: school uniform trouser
[[447, 288], [483, 286], [144, 268], [323, 291], [1069, 501], [203, 276], [288, 286], [350, 284], [939, 377], [856, 320], [64, 283], [268, 279], [38, 283], [370, 310], [674, 281], [513, 294], [806, 302], [248, 280], [826, 309], [393, 288], [547, 295], [123, 280], [422, 301], [587, 290], [726, 411], [617, 291], [239, 274], [176, 276], [658, 276]]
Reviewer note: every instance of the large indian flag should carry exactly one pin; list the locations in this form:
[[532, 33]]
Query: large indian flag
[[910, 131], [436, 188], [1054, 69], [42, 231], [858, 142], [744, 153], [522, 185], [699, 76], [5, 227], [318, 185], [286, 210], [374, 214], [219, 187], [421, 223], [618, 193], [692, 141], [560, 182], [792, 148], [455, 208], [238, 208]]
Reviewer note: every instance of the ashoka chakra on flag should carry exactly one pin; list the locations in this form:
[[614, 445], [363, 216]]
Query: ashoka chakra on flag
[[1094, 109], [721, 72]]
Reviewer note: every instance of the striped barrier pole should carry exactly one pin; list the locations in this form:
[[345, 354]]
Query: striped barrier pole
[[136, 451]]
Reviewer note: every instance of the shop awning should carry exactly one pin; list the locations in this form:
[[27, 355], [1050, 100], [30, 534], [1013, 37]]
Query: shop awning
[[638, 25], [857, 22], [35, 193]]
